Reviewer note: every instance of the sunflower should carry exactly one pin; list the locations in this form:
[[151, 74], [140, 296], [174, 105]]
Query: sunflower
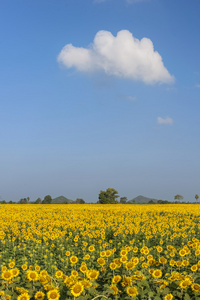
[[113, 266], [32, 275], [194, 268], [102, 253], [87, 256], [11, 264], [91, 248], [126, 280], [74, 259], [92, 274], [15, 272], [182, 252], [39, 295], [195, 287], [59, 274], [116, 279], [86, 284], [37, 268], [123, 259], [77, 289], [159, 249], [185, 262], [132, 291], [53, 295], [3, 268], [162, 260], [157, 273], [24, 296], [168, 297], [7, 275], [135, 260], [178, 263], [114, 288], [184, 284], [74, 273], [67, 253], [101, 261], [123, 252], [135, 250], [83, 268], [129, 265], [24, 267]]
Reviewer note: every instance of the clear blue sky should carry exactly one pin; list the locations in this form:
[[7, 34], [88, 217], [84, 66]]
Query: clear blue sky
[[98, 94]]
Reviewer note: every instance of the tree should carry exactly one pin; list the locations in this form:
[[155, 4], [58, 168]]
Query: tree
[[47, 199], [23, 201], [152, 202], [2, 202], [79, 201], [28, 199], [38, 201], [108, 197], [196, 197], [178, 197], [123, 200]]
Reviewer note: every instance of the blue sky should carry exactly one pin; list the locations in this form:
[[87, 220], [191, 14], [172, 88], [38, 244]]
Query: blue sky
[[98, 94]]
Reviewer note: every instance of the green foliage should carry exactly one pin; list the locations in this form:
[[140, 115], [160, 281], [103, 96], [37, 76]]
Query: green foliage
[[108, 197], [23, 201], [178, 197], [38, 201], [123, 200], [47, 199], [196, 197], [79, 201]]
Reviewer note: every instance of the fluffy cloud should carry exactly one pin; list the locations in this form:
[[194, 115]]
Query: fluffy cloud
[[165, 121], [122, 56]]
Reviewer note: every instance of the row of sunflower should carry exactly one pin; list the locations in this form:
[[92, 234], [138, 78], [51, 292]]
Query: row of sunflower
[[99, 251]]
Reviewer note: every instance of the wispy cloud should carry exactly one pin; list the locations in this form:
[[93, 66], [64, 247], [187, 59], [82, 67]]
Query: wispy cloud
[[122, 56], [135, 1], [165, 121], [127, 98], [127, 1], [197, 85]]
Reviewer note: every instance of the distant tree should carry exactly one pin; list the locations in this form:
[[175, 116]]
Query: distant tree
[[28, 199], [163, 202], [196, 197], [108, 197], [10, 202], [2, 202], [79, 201], [123, 200], [38, 201], [152, 202], [178, 197], [47, 199], [23, 201]]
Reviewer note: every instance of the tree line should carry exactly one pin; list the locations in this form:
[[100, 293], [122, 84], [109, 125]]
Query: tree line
[[109, 196]]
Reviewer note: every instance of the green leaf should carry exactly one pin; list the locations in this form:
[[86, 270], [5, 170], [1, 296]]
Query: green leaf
[[187, 297]]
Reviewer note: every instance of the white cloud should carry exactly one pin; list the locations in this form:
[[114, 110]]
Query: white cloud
[[122, 56], [165, 121], [197, 85]]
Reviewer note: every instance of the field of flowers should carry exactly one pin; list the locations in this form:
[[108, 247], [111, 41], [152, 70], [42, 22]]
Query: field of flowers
[[87, 252]]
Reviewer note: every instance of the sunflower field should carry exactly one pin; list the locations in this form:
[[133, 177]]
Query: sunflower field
[[86, 252]]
